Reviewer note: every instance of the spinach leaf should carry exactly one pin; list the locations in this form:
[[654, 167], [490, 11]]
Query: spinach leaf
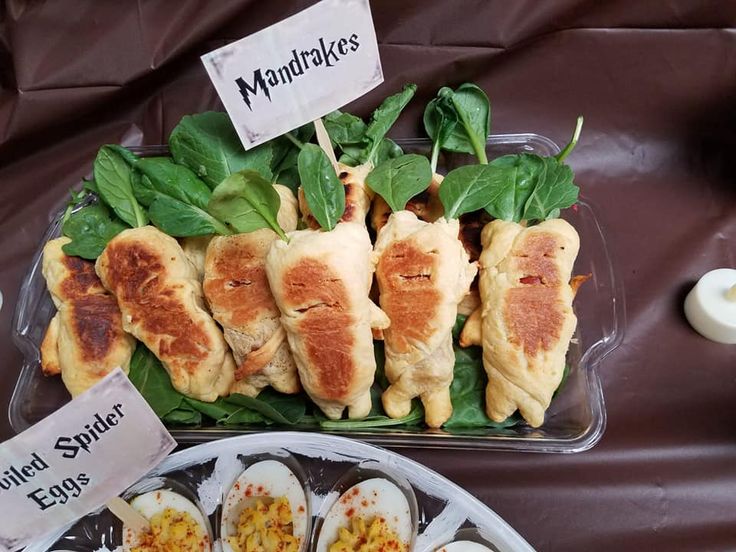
[[173, 180], [323, 191], [553, 190], [440, 120], [176, 198], [472, 187], [344, 128], [382, 120], [243, 416], [529, 187], [184, 415], [147, 374], [114, 180], [286, 151], [400, 179], [351, 155], [246, 201], [474, 116], [416, 414], [77, 199], [224, 412], [289, 178], [275, 406], [468, 390], [90, 186], [208, 144], [518, 174], [90, 229], [181, 220]]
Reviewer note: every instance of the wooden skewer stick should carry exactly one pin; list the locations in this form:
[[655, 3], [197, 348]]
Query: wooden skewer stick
[[125, 513], [324, 142]]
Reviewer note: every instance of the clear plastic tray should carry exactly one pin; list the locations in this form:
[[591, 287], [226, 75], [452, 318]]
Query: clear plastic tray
[[575, 420], [206, 472]]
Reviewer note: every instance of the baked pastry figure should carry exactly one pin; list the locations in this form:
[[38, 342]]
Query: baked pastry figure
[[160, 297], [526, 319], [320, 281], [237, 291], [85, 339], [423, 273]]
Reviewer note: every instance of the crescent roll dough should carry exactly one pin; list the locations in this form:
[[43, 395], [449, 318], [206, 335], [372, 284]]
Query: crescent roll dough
[[237, 292], [320, 281], [423, 273], [85, 339], [527, 316], [160, 296]]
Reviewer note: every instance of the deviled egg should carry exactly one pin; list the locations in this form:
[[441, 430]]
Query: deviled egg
[[265, 510], [372, 515], [176, 524]]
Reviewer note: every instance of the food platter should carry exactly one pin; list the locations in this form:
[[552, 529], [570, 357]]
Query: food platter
[[445, 512], [576, 418]]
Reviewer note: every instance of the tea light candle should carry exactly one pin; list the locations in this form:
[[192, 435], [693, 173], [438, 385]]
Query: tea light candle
[[710, 307]]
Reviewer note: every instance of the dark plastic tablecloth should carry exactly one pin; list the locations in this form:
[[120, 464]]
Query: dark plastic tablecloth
[[656, 81]]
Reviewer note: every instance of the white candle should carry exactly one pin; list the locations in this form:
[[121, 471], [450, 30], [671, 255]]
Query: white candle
[[710, 307]]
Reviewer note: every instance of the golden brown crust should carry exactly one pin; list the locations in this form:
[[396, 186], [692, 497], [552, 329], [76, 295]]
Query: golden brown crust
[[138, 278], [423, 273], [97, 323], [533, 318], [236, 283], [160, 297], [528, 319], [323, 326], [408, 295], [320, 281], [577, 281], [240, 299], [85, 340]]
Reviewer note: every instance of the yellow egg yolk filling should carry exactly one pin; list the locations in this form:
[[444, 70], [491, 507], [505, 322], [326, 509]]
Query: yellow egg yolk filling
[[265, 528], [171, 531], [368, 537]]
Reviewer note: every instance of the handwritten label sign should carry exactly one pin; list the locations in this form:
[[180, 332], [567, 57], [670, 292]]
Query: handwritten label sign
[[73, 461], [298, 70]]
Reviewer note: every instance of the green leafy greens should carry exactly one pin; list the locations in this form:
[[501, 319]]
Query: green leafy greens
[[514, 187], [114, 181], [459, 120], [246, 202], [323, 191], [176, 198], [383, 119], [208, 144], [470, 188], [440, 119], [400, 179], [90, 228]]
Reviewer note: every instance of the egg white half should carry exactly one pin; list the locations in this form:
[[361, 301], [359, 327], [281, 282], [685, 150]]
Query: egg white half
[[267, 478], [464, 546], [151, 503], [368, 499]]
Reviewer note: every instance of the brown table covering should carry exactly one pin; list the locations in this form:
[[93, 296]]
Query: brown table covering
[[656, 81]]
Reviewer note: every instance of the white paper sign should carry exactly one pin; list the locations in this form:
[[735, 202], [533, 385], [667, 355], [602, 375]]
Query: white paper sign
[[73, 461], [298, 70]]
